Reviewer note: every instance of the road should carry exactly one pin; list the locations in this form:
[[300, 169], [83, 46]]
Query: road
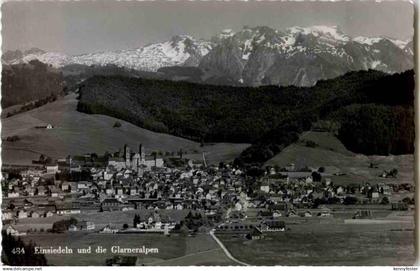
[[225, 249]]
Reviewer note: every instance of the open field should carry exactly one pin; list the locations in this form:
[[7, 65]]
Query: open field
[[331, 154], [206, 258], [78, 133], [332, 243], [200, 250]]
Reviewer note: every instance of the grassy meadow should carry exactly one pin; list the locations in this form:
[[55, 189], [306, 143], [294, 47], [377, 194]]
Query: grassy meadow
[[77, 133]]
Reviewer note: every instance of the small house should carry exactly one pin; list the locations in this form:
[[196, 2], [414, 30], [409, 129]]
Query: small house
[[272, 226], [362, 214], [52, 168], [22, 214], [399, 206], [12, 231], [73, 228], [86, 225], [109, 229], [35, 214]]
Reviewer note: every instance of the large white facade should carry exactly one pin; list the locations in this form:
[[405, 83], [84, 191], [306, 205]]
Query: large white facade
[[135, 161]]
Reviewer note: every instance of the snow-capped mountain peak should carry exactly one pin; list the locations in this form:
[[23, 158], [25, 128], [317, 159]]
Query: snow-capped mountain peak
[[366, 40], [179, 50], [226, 33], [253, 55], [56, 60], [300, 55], [370, 41], [320, 30]]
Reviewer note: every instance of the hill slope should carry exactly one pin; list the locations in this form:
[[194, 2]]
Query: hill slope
[[332, 154], [78, 133]]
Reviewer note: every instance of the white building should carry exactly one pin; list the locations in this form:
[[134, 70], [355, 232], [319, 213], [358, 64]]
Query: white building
[[52, 169], [135, 161]]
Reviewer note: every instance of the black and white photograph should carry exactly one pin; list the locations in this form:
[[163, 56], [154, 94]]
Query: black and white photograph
[[208, 133]]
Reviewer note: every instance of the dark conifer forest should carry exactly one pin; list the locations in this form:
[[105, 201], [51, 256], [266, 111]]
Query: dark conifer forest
[[369, 103]]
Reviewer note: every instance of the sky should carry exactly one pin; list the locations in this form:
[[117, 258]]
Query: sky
[[94, 26]]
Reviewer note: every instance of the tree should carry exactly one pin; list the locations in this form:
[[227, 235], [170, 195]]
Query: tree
[[408, 201], [385, 200], [316, 176], [125, 226], [311, 144], [350, 200], [41, 158], [393, 173], [107, 155], [48, 160], [255, 172], [136, 220], [63, 225]]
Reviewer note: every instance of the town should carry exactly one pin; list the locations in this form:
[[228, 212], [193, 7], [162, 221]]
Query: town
[[222, 196]]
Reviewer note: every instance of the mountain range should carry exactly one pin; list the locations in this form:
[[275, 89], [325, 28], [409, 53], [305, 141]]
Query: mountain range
[[253, 56]]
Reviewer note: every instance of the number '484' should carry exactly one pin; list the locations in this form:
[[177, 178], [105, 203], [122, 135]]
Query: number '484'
[[18, 250]]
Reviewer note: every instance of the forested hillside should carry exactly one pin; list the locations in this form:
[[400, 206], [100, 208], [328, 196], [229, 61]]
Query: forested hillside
[[269, 117], [29, 82]]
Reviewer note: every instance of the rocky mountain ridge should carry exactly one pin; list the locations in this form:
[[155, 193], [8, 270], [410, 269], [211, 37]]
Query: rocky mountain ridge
[[252, 56]]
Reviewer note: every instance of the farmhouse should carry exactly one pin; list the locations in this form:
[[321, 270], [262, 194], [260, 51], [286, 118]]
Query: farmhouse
[[324, 212], [272, 226], [265, 215], [12, 231], [399, 206], [41, 191], [35, 214], [235, 227], [22, 214], [73, 228], [6, 215], [108, 229], [111, 205], [67, 209], [52, 168], [362, 214], [255, 234], [86, 225], [13, 194]]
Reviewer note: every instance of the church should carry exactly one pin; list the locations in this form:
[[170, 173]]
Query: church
[[137, 161]]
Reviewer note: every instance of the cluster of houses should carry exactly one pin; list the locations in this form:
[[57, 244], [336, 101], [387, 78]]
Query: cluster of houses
[[133, 180], [303, 191]]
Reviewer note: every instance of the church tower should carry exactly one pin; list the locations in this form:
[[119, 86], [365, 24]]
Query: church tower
[[142, 154], [127, 156]]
